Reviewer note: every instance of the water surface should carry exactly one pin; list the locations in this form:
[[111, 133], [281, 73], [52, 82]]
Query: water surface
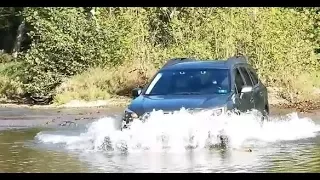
[[175, 143]]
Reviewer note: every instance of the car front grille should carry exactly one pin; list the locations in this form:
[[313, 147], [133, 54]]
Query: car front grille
[[171, 112]]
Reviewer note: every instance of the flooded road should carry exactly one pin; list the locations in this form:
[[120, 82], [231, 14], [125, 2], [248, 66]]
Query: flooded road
[[86, 140]]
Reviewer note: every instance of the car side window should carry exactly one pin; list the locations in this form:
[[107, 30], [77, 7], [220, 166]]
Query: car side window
[[253, 76], [246, 76], [238, 80]]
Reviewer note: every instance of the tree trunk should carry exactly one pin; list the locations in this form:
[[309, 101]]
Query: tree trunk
[[19, 39]]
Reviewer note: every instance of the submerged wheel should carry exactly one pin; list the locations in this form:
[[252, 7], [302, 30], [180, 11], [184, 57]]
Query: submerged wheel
[[223, 141], [265, 115]]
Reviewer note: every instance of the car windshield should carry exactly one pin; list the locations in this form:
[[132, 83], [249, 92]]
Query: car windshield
[[194, 81]]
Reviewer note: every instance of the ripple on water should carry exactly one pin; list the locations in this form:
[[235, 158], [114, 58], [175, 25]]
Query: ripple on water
[[296, 157], [278, 146]]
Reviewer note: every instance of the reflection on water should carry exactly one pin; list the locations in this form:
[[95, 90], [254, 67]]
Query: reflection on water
[[19, 154], [297, 157], [15, 156]]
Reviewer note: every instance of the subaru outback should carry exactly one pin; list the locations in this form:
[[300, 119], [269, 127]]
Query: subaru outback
[[217, 85]]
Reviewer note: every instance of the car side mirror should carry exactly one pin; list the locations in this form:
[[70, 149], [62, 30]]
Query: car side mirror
[[245, 89], [136, 92]]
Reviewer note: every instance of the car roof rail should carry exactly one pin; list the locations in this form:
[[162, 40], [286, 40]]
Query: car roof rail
[[177, 61], [237, 59]]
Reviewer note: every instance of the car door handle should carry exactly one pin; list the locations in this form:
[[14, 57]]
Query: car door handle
[[251, 100], [261, 93]]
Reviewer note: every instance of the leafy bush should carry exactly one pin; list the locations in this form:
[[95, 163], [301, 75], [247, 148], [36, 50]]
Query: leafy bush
[[4, 58], [10, 86]]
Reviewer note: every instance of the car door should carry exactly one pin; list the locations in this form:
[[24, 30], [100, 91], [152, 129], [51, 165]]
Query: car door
[[244, 101], [258, 90]]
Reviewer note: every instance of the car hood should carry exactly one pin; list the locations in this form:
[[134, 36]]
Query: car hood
[[175, 102]]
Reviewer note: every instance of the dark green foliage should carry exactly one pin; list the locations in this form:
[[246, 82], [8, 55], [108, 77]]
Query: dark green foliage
[[65, 42]]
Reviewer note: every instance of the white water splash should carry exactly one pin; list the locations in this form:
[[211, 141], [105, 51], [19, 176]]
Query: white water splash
[[182, 130]]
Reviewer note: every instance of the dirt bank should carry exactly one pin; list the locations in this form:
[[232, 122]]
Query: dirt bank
[[78, 107], [275, 101], [21, 117], [116, 102]]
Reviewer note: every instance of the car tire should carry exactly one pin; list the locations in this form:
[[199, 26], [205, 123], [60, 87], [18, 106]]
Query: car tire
[[265, 115]]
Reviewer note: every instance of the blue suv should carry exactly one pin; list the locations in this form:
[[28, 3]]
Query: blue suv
[[217, 85]]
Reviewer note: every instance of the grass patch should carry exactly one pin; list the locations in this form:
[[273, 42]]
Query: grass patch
[[314, 77], [304, 87], [103, 83], [5, 58], [10, 89], [10, 86]]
